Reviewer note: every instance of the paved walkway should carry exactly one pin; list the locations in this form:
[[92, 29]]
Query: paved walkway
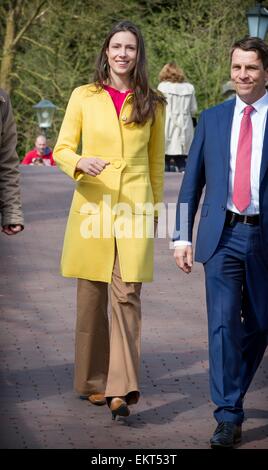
[[38, 406]]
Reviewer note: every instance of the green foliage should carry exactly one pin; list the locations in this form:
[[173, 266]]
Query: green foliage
[[59, 49]]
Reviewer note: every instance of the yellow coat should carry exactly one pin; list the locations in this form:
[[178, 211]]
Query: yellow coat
[[133, 177]]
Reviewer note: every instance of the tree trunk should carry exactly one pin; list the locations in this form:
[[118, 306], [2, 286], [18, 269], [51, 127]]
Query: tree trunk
[[8, 52]]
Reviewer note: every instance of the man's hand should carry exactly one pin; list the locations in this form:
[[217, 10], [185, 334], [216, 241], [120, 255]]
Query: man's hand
[[93, 166], [12, 229], [184, 257]]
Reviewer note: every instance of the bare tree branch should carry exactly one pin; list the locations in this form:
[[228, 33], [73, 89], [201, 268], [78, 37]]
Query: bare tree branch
[[25, 97], [42, 13], [40, 76], [28, 23], [38, 44]]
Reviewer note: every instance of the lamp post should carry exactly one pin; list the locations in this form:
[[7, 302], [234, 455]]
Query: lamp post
[[45, 110], [257, 21]]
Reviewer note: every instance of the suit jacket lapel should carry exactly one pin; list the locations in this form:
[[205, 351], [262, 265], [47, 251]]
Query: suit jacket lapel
[[264, 160], [225, 118]]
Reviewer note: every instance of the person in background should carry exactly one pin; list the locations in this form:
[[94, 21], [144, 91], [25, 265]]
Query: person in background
[[10, 199], [40, 155], [181, 107], [120, 169]]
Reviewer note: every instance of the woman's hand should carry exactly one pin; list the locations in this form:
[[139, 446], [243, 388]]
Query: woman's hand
[[93, 166]]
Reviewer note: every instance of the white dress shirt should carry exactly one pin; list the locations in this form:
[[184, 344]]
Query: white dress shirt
[[258, 119]]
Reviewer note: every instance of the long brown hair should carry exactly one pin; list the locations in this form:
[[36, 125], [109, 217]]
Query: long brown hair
[[144, 99]]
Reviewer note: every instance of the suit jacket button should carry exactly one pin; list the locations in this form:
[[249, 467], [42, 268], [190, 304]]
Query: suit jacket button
[[124, 118]]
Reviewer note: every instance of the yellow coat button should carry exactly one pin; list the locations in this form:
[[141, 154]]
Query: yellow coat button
[[117, 164], [124, 118]]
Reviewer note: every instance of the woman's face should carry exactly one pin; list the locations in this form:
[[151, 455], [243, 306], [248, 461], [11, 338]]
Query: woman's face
[[122, 53]]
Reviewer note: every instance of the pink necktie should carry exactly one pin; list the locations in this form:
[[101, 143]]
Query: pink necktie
[[241, 192]]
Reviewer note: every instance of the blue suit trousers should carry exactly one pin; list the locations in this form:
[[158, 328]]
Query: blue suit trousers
[[237, 304]]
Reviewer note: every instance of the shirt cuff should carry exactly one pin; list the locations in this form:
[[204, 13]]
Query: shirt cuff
[[182, 243]]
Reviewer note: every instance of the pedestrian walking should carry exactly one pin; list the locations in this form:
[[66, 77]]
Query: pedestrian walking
[[229, 155], [121, 165], [181, 108], [10, 198]]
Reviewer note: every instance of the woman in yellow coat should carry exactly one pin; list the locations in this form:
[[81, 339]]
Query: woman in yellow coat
[[110, 231]]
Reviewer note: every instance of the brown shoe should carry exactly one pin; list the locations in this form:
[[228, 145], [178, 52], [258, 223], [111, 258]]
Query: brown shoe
[[119, 407], [97, 399]]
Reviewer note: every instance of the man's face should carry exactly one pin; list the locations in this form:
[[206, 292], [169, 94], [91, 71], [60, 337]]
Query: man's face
[[248, 75], [40, 145]]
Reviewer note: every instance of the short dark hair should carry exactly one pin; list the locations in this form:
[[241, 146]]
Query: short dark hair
[[255, 44]]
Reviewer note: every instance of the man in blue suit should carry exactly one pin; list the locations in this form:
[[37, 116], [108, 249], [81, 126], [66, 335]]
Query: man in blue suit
[[229, 155]]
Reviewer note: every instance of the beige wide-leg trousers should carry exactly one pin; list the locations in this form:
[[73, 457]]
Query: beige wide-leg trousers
[[108, 362]]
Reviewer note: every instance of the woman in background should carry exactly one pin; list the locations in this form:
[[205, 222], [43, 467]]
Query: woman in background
[[181, 107]]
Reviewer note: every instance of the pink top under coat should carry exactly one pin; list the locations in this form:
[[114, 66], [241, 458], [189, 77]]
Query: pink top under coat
[[117, 96]]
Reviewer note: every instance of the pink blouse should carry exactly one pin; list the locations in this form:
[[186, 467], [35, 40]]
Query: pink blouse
[[117, 96]]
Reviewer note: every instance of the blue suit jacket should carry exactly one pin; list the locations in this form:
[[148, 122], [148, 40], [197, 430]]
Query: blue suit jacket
[[208, 165]]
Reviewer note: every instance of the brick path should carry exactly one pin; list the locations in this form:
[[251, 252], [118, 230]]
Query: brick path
[[38, 406]]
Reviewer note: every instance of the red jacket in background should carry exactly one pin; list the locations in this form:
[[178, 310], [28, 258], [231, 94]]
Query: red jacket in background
[[32, 155]]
